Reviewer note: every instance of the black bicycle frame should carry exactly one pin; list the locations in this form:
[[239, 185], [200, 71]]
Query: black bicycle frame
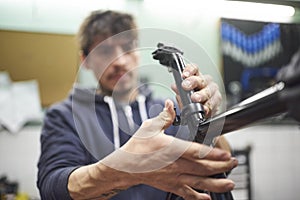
[[282, 97]]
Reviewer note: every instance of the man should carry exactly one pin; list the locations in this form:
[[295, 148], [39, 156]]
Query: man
[[87, 147]]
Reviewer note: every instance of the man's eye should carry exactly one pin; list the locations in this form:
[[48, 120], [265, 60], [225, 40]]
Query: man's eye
[[128, 47], [105, 50]]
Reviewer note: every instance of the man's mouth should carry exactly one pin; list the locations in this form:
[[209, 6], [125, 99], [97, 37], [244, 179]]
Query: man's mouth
[[119, 77]]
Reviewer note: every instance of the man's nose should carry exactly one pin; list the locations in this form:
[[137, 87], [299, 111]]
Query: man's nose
[[121, 56]]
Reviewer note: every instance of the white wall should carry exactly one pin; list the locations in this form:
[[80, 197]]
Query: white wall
[[19, 156], [275, 163]]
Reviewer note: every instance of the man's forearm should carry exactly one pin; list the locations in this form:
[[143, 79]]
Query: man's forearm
[[97, 181]]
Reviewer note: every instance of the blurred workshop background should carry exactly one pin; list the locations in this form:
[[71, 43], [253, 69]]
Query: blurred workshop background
[[242, 44]]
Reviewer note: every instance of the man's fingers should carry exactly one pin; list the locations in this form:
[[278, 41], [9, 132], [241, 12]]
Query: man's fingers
[[202, 95], [217, 185], [200, 151], [190, 70], [205, 92], [194, 83], [204, 167], [189, 193], [211, 106], [209, 167], [194, 185], [205, 160]]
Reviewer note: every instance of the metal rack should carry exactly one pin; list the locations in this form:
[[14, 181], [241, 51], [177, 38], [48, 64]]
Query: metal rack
[[241, 175]]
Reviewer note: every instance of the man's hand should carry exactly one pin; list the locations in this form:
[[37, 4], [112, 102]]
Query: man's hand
[[153, 158], [150, 157], [206, 91]]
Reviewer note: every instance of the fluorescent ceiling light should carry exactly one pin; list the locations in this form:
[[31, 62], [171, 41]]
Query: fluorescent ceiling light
[[260, 11], [221, 8]]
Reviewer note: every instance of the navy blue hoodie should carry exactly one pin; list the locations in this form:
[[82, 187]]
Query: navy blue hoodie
[[80, 131]]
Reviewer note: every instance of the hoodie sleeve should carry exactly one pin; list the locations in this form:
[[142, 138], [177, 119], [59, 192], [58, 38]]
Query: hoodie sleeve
[[61, 153]]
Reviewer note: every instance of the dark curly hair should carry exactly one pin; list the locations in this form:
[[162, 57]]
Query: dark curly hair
[[103, 24]]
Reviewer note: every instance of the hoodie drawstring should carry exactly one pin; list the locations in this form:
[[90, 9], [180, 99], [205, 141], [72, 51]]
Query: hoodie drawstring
[[114, 116], [128, 113], [142, 107]]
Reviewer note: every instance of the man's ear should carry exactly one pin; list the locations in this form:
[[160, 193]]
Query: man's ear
[[83, 60]]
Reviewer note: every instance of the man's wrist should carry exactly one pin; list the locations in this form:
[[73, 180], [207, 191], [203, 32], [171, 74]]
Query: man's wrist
[[119, 179], [98, 181]]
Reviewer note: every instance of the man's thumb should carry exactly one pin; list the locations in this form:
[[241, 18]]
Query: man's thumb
[[164, 119], [168, 114], [161, 122]]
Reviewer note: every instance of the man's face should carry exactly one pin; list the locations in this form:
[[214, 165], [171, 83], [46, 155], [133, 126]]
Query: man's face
[[114, 63]]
